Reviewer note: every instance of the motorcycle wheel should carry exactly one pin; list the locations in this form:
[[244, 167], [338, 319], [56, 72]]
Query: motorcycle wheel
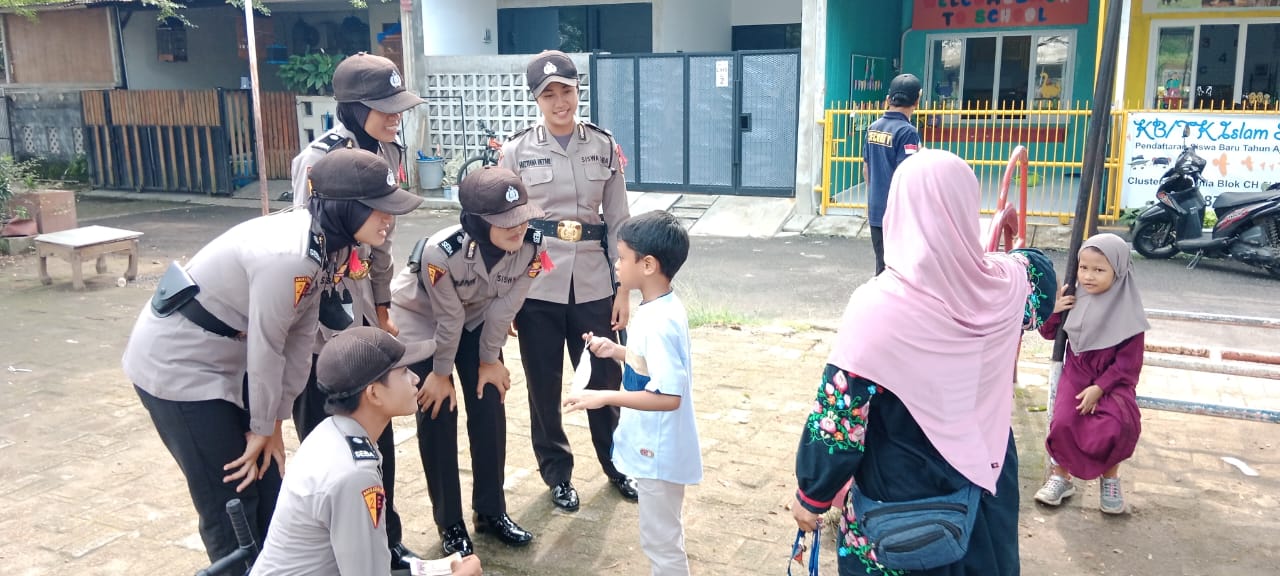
[[472, 164], [1154, 240]]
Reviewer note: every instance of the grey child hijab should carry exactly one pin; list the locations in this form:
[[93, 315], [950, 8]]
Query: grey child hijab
[[1104, 320]]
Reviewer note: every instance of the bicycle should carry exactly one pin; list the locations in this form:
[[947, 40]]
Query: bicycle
[[488, 156]]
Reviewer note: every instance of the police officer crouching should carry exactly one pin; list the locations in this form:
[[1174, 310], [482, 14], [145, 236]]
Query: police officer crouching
[[463, 287], [224, 346], [371, 97], [332, 510]]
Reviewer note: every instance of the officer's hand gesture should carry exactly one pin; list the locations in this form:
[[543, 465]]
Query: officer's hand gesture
[[498, 375], [247, 467], [435, 391], [621, 311]]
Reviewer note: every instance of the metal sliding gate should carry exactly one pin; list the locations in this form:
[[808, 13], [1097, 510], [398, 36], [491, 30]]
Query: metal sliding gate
[[722, 123]]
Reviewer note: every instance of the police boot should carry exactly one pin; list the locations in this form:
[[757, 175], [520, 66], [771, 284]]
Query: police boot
[[455, 539], [400, 557], [504, 528]]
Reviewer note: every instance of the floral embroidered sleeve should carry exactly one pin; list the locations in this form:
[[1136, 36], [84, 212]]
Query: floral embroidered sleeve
[[831, 444]]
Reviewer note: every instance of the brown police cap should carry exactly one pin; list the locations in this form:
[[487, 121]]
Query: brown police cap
[[358, 356], [497, 195], [360, 175], [373, 81], [550, 66]]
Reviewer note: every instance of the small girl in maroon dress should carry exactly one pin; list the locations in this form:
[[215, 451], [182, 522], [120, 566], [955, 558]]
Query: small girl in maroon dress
[[1096, 422]]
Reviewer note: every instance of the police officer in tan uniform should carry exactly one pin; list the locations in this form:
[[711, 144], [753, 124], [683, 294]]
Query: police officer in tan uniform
[[573, 169], [223, 348], [331, 516], [371, 97], [462, 288]]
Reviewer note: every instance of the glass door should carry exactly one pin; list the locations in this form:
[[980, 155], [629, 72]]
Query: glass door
[[1260, 81], [1216, 66], [1175, 51]]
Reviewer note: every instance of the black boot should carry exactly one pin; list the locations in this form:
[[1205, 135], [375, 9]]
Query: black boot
[[400, 557], [504, 528], [455, 539]]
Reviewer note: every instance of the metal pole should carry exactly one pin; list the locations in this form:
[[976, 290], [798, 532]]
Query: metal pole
[[259, 148], [1095, 151]]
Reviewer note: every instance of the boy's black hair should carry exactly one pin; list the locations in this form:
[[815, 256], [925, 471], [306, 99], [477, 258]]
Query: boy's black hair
[[348, 405], [660, 235]]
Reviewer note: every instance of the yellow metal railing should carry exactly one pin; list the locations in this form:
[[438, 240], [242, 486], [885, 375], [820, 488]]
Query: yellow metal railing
[[985, 137]]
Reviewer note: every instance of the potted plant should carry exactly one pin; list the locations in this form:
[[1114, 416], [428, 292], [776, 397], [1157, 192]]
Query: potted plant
[[311, 77], [15, 176]]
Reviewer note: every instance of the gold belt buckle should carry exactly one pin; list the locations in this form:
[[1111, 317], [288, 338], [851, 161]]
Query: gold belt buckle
[[569, 231]]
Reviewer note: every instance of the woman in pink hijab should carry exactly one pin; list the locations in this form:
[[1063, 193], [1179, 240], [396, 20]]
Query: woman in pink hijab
[[916, 399]]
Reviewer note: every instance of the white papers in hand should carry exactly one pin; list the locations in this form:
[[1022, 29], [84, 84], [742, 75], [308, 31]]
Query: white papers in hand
[[438, 567]]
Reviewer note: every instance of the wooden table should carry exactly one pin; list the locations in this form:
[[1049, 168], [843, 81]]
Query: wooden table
[[79, 244]]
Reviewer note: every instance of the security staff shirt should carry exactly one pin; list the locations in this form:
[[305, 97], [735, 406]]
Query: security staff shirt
[[890, 140], [452, 291], [331, 514], [262, 278], [368, 277], [573, 183]]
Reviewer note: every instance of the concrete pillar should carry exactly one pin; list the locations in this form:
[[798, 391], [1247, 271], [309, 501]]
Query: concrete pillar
[[813, 91]]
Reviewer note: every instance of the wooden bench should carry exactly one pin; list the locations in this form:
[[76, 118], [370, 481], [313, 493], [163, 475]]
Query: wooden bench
[[80, 244]]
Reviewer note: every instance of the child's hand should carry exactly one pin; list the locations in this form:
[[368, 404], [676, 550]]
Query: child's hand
[[584, 400], [1089, 399], [1064, 302], [599, 346]]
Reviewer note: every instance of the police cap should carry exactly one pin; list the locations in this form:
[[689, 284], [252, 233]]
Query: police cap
[[373, 81], [904, 90], [497, 195], [360, 175], [358, 356], [550, 66]]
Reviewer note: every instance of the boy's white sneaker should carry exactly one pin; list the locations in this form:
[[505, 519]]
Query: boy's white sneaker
[[1055, 490], [1111, 499]]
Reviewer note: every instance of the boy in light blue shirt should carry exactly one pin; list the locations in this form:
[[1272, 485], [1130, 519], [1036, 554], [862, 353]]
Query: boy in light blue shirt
[[656, 442]]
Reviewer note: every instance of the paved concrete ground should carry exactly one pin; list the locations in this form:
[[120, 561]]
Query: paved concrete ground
[[89, 489]]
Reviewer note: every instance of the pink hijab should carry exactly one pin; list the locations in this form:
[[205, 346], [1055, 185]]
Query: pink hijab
[[940, 326]]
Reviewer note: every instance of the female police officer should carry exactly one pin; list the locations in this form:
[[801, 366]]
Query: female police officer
[[371, 97], [463, 287], [572, 169], [223, 348]]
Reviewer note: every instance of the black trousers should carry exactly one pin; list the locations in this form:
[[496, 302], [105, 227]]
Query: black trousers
[[877, 244], [486, 431], [546, 330], [203, 437], [308, 412]]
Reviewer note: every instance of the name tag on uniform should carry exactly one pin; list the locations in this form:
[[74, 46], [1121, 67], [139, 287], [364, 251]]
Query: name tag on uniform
[[361, 449]]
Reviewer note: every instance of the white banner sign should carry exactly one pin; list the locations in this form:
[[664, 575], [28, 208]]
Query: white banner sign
[[1242, 151]]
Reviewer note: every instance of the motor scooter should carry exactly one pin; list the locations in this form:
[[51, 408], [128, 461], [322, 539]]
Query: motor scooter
[[1248, 228]]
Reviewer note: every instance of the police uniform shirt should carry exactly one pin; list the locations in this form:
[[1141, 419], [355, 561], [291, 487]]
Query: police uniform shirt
[[453, 291], [261, 278], [572, 183], [890, 140], [364, 295], [331, 515]]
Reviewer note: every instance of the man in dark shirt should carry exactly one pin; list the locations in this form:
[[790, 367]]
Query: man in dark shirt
[[890, 140]]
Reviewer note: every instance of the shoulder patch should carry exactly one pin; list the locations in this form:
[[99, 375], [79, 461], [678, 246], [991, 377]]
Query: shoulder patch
[[452, 244], [599, 129], [519, 133], [533, 236], [316, 247], [375, 499], [301, 287], [361, 448], [434, 273], [331, 142]]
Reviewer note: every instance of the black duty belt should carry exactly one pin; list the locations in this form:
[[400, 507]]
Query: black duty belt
[[570, 230], [198, 315]]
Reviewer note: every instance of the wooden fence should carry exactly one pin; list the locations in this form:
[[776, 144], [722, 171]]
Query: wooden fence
[[183, 140]]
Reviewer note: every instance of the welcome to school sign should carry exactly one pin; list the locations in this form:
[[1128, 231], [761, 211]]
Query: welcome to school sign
[[967, 14], [1243, 151]]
